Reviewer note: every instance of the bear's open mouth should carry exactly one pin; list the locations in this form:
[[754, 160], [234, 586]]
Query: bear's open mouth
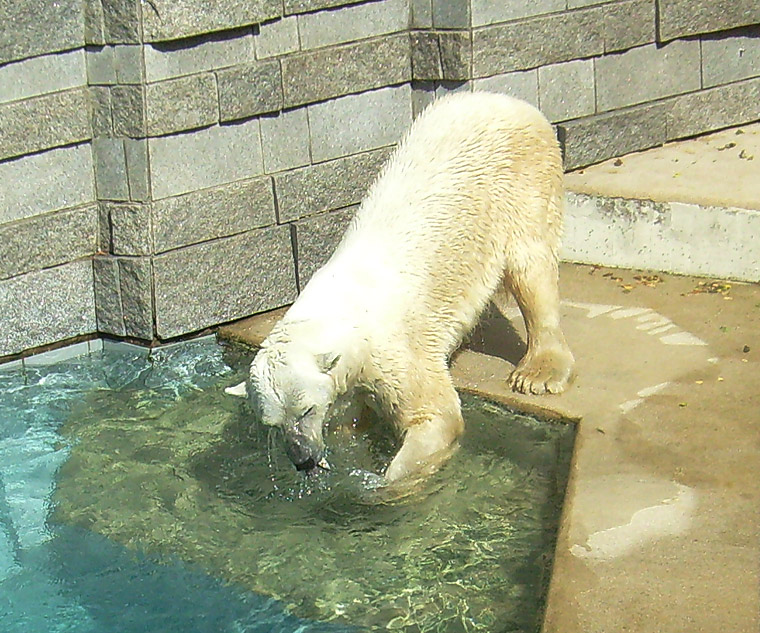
[[312, 467]]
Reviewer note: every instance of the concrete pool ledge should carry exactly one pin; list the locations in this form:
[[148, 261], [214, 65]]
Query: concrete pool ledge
[[661, 523], [691, 207]]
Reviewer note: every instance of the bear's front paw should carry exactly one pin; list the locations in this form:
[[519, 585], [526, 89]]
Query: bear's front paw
[[548, 371]]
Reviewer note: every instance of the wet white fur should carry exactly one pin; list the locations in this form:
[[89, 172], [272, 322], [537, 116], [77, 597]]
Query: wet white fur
[[467, 210]]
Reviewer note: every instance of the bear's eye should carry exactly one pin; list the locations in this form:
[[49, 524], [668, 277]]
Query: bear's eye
[[306, 413]]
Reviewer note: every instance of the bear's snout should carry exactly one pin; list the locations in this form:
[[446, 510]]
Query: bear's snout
[[304, 453]]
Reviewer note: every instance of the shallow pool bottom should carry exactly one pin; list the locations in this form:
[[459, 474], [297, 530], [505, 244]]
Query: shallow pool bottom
[[135, 490]]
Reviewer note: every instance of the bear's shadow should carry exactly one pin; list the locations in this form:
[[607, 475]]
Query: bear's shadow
[[496, 336]]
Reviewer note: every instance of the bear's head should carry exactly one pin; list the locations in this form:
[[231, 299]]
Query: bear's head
[[292, 389]]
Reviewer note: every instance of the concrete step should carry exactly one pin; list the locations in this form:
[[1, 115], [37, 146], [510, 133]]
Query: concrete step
[[688, 207]]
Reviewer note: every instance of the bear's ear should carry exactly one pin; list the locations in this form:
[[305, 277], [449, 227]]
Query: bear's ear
[[327, 362], [240, 390]]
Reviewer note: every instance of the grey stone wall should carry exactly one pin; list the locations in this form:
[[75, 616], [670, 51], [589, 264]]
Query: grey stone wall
[[169, 165], [622, 75]]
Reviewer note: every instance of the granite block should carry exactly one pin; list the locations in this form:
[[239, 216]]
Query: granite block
[[731, 56], [629, 23], [56, 179], [128, 64], [340, 70], [108, 312], [135, 286], [423, 94], [682, 18], [451, 14], [277, 38], [421, 14], [110, 169], [44, 122], [566, 90], [485, 12], [101, 111], [356, 22], [670, 69], [358, 123], [537, 41], [181, 104], [212, 213], [215, 282], [596, 138], [522, 84], [47, 240], [173, 19], [441, 56], [47, 306], [316, 239], [128, 107], [166, 61], [331, 185], [42, 75], [205, 158], [94, 23], [456, 55], [104, 228], [138, 177], [130, 228], [250, 89], [101, 69], [121, 21], [425, 56], [713, 109], [285, 140], [61, 29]]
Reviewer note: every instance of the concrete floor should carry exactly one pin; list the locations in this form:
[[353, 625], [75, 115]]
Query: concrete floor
[[721, 169], [661, 524], [661, 528]]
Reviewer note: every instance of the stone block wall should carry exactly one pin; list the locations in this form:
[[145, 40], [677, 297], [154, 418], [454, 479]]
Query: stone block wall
[[169, 165], [615, 75], [48, 203]]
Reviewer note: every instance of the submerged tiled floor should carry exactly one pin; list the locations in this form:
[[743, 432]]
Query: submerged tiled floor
[[661, 528]]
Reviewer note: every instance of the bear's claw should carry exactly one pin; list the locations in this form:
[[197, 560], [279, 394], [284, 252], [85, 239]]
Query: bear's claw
[[547, 372]]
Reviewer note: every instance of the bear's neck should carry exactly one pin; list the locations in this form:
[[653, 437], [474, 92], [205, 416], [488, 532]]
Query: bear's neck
[[332, 337]]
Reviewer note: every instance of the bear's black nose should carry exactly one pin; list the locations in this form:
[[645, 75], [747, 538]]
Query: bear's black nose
[[308, 465]]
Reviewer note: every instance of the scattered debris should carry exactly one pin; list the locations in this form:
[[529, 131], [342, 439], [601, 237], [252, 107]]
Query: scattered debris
[[727, 146], [743, 155], [745, 349], [711, 287], [618, 162], [650, 281], [682, 404]]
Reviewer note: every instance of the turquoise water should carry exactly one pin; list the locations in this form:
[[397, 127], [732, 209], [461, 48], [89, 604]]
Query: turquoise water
[[136, 496]]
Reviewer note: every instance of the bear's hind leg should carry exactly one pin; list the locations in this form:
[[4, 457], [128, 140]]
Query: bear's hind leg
[[431, 427], [547, 365]]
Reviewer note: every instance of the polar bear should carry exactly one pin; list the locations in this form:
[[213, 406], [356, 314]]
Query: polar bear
[[467, 209]]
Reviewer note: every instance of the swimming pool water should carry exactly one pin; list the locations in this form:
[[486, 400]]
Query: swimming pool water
[[136, 496]]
